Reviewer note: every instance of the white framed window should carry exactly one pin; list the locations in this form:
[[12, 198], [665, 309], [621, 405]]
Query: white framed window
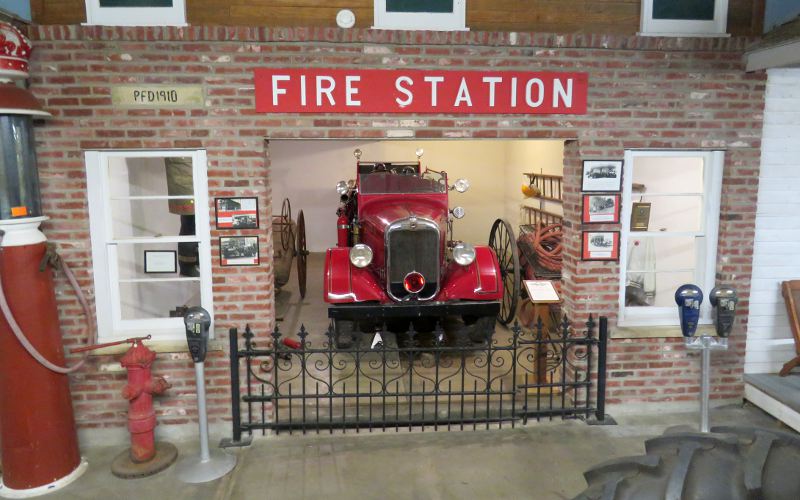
[[151, 247], [136, 12], [676, 241], [684, 17], [436, 15]]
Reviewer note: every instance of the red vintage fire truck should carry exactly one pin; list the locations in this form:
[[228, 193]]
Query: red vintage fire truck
[[396, 262]]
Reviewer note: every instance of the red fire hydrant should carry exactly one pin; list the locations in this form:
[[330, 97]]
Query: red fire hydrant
[[146, 457], [139, 391]]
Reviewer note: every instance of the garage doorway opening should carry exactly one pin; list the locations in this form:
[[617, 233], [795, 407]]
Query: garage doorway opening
[[305, 172]]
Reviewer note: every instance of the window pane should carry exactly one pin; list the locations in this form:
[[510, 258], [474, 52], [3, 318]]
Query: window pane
[[702, 10], [165, 260], [656, 267], [673, 213], [170, 176], [660, 291], [667, 174], [152, 218], [152, 300], [135, 3], [419, 6], [647, 254]]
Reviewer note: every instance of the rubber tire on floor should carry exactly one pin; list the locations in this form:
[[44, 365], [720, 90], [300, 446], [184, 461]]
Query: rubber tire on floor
[[729, 463]]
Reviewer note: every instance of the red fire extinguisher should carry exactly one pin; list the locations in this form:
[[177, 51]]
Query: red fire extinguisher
[[342, 229]]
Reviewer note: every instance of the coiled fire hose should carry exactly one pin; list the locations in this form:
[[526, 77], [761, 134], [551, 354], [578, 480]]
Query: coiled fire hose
[[547, 245], [53, 259]]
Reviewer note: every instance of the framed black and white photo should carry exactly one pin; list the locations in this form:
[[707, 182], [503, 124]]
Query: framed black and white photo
[[160, 261], [600, 245], [602, 175], [238, 250], [237, 213], [601, 208]]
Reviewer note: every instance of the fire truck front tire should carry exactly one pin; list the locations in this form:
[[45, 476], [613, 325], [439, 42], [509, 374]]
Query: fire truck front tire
[[730, 463]]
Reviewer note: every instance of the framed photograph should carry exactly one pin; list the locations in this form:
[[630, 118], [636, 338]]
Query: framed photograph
[[238, 250], [602, 175], [601, 208], [640, 216], [600, 245], [236, 213], [160, 261]]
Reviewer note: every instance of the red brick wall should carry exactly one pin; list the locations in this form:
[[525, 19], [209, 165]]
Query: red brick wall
[[643, 93]]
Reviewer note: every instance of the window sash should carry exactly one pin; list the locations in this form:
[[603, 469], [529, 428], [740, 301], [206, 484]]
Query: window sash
[[682, 27], [706, 241], [436, 21], [110, 325], [136, 16]]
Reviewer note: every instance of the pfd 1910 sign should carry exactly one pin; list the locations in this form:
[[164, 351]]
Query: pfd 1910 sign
[[317, 90]]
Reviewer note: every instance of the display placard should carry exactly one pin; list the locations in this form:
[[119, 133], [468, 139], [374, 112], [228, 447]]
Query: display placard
[[157, 96], [236, 213], [541, 291], [601, 208]]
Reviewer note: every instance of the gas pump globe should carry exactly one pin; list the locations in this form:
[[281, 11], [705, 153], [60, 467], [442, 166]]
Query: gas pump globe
[[38, 439]]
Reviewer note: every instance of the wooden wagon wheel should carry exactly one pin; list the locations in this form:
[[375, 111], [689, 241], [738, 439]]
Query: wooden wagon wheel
[[302, 253], [504, 244], [287, 236]]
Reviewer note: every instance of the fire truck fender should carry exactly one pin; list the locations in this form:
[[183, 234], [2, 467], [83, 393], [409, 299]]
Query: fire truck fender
[[480, 280], [345, 283]]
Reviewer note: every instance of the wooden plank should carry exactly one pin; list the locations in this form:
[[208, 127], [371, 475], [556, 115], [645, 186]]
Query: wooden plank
[[555, 16]]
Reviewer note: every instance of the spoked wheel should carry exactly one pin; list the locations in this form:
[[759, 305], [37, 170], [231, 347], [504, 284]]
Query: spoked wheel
[[287, 236], [302, 253], [504, 244]]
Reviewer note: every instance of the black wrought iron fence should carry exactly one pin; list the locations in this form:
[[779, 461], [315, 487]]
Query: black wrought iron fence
[[427, 381]]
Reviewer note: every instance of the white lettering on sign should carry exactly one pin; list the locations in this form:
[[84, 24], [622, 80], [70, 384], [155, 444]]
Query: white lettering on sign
[[303, 90], [351, 91], [276, 90], [491, 80], [565, 95], [434, 81], [540, 85], [409, 96], [327, 90], [463, 94]]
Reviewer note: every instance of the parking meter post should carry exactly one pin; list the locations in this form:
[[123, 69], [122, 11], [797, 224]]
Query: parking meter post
[[208, 466], [705, 385]]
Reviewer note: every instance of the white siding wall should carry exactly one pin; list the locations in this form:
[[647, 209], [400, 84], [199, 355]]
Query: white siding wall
[[777, 242]]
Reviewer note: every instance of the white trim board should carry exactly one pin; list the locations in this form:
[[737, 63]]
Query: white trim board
[[772, 406]]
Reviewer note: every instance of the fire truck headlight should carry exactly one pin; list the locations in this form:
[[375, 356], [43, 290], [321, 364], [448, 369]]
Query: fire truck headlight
[[464, 254], [360, 255], [461, 185], [341, 187]]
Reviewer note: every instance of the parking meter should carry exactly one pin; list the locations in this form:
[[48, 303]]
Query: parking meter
[[211, 464], [198, 322], [723, 299], [689, 298]]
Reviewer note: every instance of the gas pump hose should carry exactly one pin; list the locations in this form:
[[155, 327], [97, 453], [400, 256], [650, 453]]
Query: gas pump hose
[[6, 310]]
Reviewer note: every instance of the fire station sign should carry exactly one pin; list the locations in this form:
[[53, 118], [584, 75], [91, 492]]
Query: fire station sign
[[319, 90]]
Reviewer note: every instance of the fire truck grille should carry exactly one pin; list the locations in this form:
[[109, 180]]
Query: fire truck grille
[[412, 250]]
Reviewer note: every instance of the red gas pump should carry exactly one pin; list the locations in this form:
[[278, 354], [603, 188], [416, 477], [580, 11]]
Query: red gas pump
[[37, 426]]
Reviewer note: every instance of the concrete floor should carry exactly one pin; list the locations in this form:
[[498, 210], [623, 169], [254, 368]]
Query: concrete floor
[[541, 461]]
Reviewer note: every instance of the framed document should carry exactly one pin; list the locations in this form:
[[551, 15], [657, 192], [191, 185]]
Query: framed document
[[237, 213], [238, 250], [160, 261]]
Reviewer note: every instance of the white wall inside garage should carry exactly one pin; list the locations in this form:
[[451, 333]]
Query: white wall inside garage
[[777, 239], [306, 172]]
